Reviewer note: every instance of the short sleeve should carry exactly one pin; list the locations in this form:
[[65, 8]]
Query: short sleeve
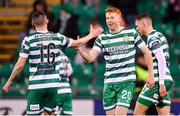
[[24, 51], [154, 44], [97, 44], [138, 40], [65, 41]]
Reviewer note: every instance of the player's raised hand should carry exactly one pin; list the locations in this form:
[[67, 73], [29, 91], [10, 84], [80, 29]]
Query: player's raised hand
[[150, 82], [162, 90], [95, 31]]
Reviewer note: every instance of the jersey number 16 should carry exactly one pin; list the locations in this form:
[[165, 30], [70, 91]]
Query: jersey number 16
[[50, 55]]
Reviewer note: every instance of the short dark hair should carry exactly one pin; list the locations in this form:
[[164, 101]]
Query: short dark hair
[[143, 15], [38, 18]]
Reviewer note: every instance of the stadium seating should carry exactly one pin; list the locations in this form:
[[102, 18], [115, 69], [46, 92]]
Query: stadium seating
[[12, 21], [30, 2]]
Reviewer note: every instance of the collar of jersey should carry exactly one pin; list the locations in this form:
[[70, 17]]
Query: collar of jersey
[[152, 32]]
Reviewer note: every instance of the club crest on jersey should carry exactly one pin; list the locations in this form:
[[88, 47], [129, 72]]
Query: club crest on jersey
[[126, 38]]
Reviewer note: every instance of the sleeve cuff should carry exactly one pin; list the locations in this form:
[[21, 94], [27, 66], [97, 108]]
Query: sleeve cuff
[[23, 55]]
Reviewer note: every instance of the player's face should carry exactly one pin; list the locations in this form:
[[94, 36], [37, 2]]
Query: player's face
[[140, 26], [113, 21]]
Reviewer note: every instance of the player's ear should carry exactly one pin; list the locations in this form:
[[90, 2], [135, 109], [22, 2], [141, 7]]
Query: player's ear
[[33, 24], [47, 20]]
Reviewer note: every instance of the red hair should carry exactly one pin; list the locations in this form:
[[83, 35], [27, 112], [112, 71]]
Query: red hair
[[113, 10]]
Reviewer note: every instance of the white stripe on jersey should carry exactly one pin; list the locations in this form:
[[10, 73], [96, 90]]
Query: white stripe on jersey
[[35, 69], [42, 86], [45, 43], [23, 55], [119, 79], [115, 40], [36, 61], [120, 56], [47, 85], [44, 77], [124, 70], [114, 65], [32, 69], [37, 52]]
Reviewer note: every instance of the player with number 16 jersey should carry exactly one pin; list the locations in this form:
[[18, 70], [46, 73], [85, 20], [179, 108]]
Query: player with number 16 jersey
[[44, 51], [43, 48]]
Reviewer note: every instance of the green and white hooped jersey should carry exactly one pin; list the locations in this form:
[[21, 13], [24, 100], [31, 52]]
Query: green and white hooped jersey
[[155, 41], [44, 50], [65, 72], [119, 52]]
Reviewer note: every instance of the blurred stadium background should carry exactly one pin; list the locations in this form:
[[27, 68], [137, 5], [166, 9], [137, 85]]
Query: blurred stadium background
[[87, 79]]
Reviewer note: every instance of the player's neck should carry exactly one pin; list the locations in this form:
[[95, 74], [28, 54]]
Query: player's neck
[[41, 28], [116, 30]]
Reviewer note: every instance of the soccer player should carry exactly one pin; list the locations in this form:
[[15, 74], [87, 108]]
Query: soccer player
[[119, 46], [159, 94], [43, 50], [64, 93]]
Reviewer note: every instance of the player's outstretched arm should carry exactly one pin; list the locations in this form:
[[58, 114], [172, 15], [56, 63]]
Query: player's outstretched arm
[[149, 60], [17, 69], [93, 33], [88, 56]]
